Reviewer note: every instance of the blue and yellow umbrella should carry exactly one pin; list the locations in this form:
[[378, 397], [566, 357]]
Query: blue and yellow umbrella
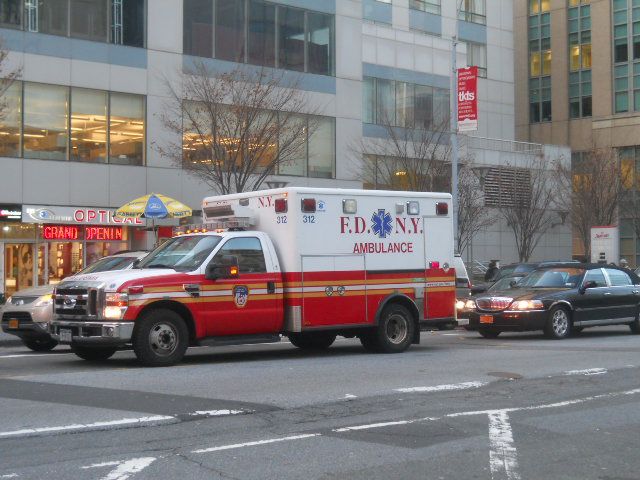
[[154, 205]]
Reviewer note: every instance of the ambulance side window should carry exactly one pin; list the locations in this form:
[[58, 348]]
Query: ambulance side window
[[249, 253]]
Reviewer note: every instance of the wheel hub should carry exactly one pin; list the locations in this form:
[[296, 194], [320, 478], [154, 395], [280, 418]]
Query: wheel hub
[[163, 339], [560, 323], [396, 329]]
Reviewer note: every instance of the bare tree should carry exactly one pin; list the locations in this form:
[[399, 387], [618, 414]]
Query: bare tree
[[8, 76], [596, 182], [237, 128], [473, 215], [530, 198]]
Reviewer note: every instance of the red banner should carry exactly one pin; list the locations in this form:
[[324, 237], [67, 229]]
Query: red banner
[[467, 99]]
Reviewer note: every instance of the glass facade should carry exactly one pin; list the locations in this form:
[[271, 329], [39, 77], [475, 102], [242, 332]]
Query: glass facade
[[429, 6], [539, 61], [477, 56], [579, 28], [474, 11], [402, 104], [260, 33], [117, 21], [629, 219], [53, 122], [626, 55]]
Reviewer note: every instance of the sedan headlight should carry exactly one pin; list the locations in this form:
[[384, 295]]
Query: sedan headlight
[[527, 305], [44, 301], [470, 305], [115, 305], [460, 305]]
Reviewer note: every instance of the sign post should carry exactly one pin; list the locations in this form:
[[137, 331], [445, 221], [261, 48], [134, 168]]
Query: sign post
[[468, 99]]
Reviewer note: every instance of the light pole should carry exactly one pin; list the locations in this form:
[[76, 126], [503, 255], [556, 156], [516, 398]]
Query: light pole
[[454, 123]]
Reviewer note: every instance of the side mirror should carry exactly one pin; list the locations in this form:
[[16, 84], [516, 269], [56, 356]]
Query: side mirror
[[513, 283], [587, 285], [222, 268]]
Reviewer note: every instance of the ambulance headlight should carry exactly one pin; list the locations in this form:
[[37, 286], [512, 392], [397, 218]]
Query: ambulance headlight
[[115, 305]]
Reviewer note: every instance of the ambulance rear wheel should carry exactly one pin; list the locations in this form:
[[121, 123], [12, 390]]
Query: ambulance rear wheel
[[395, 330], [160, 338], [312, 341]]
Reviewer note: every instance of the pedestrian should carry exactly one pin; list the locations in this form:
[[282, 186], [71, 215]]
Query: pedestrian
[[493, 271], [624, 264]]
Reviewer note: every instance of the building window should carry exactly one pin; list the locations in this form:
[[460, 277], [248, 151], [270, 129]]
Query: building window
[[474, 11], [45, 127], [402, 104], [117, 21], [126, 129], [477, 57], [429, 6], [322, 145], [52, 122], [626, 55], [260, 33], [539, 61], [198, 27], [579, 28], [10, 121]]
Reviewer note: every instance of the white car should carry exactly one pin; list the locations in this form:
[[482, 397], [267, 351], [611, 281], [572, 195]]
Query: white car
[[27, 313]]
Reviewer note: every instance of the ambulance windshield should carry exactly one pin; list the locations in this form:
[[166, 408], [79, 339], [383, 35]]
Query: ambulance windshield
[[182, 254]]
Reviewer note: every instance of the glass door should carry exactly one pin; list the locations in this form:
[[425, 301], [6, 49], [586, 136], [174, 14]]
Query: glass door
[[18, 267]]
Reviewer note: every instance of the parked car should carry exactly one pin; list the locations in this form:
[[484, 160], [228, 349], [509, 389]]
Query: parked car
[[27, 313], [559, 300]]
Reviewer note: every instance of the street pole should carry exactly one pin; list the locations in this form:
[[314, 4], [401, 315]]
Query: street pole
[[454, 126]]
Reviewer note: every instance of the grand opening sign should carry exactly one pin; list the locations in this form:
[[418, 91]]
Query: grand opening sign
[[73, 232], [467, 99]]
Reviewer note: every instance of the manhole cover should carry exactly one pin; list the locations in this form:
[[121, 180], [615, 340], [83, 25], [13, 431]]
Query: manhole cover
[[508, 375]]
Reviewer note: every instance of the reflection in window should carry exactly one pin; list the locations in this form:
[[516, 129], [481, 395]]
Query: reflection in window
[[198, 27], [424, 107], [319, 43], [262, 34], [10, 13], [128, 25], [126, 129], [291, 38], [88, 125], [385, 102], [45, 121], [230, 30], [322, 149], [10, 121], [89, 19], [50, 16]]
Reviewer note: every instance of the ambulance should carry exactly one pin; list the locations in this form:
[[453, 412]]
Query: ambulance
[[309, 264]]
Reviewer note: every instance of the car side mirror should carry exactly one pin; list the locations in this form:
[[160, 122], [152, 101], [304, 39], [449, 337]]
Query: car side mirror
[[222, 268], [587, 285], [513, 283]]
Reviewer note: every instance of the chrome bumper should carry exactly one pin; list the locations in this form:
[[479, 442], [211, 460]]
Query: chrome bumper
[[94, 333]]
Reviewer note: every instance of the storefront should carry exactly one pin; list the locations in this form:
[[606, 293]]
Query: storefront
[[43, 244]]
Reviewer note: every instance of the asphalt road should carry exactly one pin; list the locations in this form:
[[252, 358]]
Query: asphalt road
[[455, 407]]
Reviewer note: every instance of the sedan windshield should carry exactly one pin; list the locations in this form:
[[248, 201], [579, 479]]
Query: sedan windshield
[[504, 283], [181, 253], [553, 278], [107, 264]]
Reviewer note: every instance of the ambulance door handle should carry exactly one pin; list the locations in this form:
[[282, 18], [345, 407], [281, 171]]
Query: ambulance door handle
[[192, 289], [271, 287]]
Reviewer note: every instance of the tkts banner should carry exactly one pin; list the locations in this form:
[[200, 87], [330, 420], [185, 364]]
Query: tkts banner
[[467, 99]]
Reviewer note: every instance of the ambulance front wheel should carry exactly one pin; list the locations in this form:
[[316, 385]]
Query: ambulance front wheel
[[394, 332], [312, 341], [160, 338]]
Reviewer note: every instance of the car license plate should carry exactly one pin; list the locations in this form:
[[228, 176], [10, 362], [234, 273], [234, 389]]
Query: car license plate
[[65, 335], [14, 323], [486, 318]]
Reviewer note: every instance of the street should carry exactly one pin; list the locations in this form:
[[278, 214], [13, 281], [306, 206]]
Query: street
[[457, 406]]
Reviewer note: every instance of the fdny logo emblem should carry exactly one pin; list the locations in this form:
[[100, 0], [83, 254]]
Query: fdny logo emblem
[[240, 296], [381, 223]]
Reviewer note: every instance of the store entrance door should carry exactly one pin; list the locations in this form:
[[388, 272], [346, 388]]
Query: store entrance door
[[64, 259], [18, 267]]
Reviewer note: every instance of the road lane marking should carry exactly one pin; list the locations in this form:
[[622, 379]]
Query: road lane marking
[[43, 355], [257, 442], [86, 426], [587, 371], [503, 457], [382, 424], [9, 475], [125, 468], [442, 388], [216, 413]]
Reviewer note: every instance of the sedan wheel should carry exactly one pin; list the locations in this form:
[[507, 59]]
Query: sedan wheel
[[558, 324]]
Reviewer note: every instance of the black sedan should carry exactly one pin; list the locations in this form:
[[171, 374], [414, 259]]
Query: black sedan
[[559, 300]]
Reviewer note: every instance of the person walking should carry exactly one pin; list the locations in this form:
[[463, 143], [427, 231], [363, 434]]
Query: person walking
[[624, 264]]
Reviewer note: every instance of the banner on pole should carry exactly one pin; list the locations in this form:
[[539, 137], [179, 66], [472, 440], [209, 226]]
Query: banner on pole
[[467, 99]]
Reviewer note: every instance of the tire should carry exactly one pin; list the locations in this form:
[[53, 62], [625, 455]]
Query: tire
[[40, 345], [487, 333], [368, 342], [93, 354], [558, 324], [160, 338], [394, 333], [312, 341], [635, 326]]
